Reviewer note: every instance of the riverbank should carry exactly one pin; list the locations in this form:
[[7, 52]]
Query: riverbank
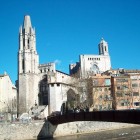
[[129, 133], [41, 129]]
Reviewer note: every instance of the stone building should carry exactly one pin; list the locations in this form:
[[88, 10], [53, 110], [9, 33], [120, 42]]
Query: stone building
[[121, 92], [44, 87], [39, 84], [28, 62], [92, 64], [8, 95], [125, 89], [135, 87], [99, 89]]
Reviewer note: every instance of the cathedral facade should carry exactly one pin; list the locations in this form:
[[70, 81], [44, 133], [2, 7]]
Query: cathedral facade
[[93, 64]]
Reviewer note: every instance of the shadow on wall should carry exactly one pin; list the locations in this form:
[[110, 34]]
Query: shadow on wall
[[47, 131]]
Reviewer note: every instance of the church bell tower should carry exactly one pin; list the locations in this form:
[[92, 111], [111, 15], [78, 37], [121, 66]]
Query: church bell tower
[[103, 47], [28, 62]]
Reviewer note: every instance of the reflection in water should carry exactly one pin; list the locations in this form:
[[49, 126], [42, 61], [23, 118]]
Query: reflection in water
[[77, 137], [95, 136]]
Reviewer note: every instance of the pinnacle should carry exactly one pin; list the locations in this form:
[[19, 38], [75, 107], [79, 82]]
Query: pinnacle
[[27, 22]]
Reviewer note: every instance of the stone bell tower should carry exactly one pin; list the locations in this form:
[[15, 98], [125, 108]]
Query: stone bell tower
[[103, 47], [28, 62]]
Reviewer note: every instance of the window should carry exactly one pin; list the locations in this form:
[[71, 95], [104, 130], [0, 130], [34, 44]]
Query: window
[[105, 89], [125, 103], [135, 93], [134, 85], [105, 48], [23, 42], [106, 97], [118, 87], [136, 103], [127, 94], [23, 65], [95, 68], [100, 107], [125, 86], [58, 85], [122, 80], [107, 82], [119, 94], [100, 97], [28, 44], [52, 85], [109, 106], [122, 104]]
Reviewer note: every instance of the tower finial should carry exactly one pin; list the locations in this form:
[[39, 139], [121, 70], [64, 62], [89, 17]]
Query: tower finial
[[27, 22]]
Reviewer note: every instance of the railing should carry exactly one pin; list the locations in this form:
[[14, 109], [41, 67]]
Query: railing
[[125, 116]]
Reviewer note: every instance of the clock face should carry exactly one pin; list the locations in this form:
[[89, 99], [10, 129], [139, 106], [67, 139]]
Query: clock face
[[95, 68]]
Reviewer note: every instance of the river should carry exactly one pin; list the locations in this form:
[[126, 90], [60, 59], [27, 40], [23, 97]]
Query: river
[[132, 133]]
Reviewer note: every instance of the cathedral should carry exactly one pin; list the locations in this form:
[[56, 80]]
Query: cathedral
[[43, 85], [93, 64]]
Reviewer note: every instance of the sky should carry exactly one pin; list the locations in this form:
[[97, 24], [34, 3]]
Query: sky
[[67, 28]]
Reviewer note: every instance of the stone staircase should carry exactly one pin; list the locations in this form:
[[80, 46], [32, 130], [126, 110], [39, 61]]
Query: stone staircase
[[38, 112]]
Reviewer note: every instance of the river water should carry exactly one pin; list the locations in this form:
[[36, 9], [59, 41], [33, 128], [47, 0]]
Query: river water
[[132, 133]]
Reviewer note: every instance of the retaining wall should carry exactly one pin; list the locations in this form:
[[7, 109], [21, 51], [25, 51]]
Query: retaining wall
[[41, 129]]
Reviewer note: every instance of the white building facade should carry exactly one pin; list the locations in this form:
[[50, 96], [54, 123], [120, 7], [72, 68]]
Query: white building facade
[[93, 64], [8, 94]]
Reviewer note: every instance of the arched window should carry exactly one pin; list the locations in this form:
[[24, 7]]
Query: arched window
[[105, 48], [23, 65], [95, 68]]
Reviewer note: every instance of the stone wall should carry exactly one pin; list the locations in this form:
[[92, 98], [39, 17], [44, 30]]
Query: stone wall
[[40, 129]]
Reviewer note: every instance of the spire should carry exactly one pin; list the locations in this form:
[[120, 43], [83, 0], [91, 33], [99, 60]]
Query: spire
[[27, 23]]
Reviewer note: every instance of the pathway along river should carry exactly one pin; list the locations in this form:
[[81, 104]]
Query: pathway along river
[[131, 133]]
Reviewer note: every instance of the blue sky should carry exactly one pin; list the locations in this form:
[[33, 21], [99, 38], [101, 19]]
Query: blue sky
[[67, 28]]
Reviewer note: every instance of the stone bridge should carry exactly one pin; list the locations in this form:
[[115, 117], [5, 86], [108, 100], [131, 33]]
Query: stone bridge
[[125, 116]]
